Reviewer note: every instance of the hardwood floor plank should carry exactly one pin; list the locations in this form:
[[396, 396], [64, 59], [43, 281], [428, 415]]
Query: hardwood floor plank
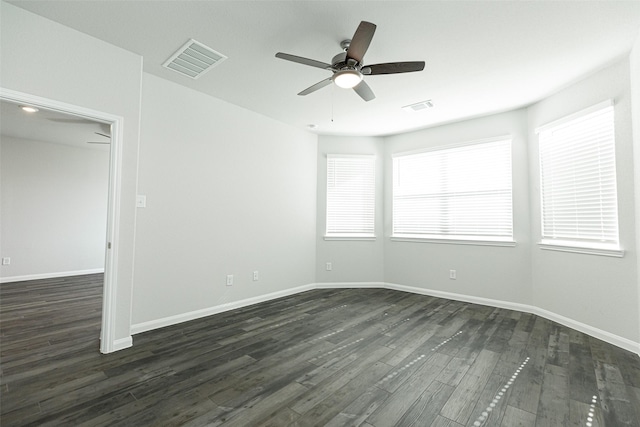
[[253, 413], [460, 405], [558, 349], [329, 386], [441, 421], [282, 417], [426, 408], [394, 408], [327, 357], [554, 404], [333, 404], [613, 396], [514, 417], [582, 376], [582, 414], [456, 369], [356, 413]]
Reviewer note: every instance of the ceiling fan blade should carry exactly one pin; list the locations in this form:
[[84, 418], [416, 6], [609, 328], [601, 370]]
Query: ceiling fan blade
[[393, 68], [316, 86], [304, 61], [364, 91], [361, 40], [74, 121]]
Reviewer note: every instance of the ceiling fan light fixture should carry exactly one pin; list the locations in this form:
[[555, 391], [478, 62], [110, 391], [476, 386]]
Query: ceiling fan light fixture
[[347, 79]]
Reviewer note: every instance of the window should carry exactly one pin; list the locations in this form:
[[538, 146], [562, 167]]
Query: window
[[350, 196], [459, 193], [578, 180]]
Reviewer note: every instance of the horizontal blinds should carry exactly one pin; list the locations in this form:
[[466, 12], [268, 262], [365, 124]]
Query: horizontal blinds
[[578, 179], [350, 195], [461, 192]]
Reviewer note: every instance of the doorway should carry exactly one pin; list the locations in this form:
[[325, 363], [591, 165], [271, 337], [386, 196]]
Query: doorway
[[110, 130]]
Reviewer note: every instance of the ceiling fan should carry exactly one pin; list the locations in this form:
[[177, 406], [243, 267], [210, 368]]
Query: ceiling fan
[[348, 67], [101, 142]]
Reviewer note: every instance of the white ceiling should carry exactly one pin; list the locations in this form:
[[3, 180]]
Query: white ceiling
[[481, 56], [52, 126]]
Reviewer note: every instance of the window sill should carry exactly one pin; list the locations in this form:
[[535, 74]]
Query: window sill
[[617, 253], [474, 242], [351, 238]]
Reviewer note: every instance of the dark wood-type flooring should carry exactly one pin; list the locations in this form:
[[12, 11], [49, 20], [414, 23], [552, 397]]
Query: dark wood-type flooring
[[367, 357]]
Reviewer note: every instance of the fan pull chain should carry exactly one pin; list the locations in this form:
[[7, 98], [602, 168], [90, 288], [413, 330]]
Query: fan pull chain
[[333, 90]]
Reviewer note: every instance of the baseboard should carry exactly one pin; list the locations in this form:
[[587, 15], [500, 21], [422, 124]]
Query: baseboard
[[461, 297], [608, 337], [605, 336], [122, 343], [347, 285], [197, 314], [50, 275]]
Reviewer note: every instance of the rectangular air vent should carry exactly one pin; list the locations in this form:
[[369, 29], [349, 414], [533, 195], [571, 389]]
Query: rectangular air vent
[[194, 59], [418, 106]]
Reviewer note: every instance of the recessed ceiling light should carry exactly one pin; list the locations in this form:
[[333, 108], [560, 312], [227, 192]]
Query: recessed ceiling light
[[29, 109]]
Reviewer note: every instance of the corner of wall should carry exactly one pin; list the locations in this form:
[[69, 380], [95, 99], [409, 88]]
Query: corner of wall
[[634, 65]]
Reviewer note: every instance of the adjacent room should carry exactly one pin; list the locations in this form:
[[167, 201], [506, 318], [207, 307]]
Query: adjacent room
[[293, 213]]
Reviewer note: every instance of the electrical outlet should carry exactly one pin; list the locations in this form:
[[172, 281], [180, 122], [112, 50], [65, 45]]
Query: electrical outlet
[[329, 266], [6, 261], [256, 276], [229, 279], [141, 201], [452, 274]]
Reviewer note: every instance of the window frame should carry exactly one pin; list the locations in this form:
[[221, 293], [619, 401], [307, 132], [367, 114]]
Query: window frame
[[566, 243], [352, 235], [496, 240]]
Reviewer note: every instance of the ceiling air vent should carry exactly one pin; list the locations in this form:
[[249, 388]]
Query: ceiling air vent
[[418, 106], [194, 59]]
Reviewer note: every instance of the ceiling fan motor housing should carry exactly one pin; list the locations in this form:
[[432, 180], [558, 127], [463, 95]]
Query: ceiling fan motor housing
[[341, 62]]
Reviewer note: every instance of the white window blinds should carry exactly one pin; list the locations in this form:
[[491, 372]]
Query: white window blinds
[[459, 193], [350, 196], [578, 180]]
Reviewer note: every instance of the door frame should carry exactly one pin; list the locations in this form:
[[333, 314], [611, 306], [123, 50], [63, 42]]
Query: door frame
[[108, 342]]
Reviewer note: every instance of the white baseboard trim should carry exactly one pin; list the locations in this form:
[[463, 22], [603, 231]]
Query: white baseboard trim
[[197, 314], [605, 336], [122, 343], [460, 297], [608, 337], [347, 285], [50, 275]]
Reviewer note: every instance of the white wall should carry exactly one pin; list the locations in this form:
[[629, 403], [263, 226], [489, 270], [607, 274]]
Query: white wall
[[597, 294], [499, 273], [228, 192], [46, 59], [634, 67], [352, 261], [598, 291], [196, 230], [53, 201]]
